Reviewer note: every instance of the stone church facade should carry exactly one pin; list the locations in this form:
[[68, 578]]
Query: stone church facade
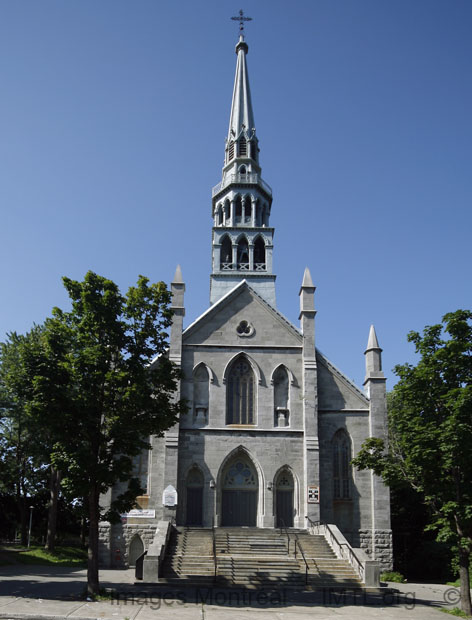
[[272, 424]]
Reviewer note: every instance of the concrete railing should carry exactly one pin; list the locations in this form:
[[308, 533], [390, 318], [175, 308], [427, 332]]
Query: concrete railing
[[154, 558], [249, 178], [367, 569]]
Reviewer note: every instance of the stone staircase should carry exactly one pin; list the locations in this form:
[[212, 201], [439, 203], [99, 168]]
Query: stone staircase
[[255, 558]]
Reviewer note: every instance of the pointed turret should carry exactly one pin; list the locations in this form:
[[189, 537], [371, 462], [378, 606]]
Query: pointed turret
[[373, 357], [178, 276], [177, 288], [372, 343], [241, 203], [307, 313]]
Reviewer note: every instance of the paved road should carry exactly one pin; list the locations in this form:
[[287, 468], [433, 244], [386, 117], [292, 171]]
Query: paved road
[[43, 592]]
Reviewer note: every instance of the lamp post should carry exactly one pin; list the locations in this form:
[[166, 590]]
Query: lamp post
[[30, 523]]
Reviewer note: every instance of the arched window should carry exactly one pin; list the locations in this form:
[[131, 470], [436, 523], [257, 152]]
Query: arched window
[[242, 169], [247, 208], [259, 255], [281, 383], [227, 209], [140, 469], [341, 465], [220, 215], [240, 393], [238, 205], [226, 254], [242, 147], [243, 254], [201, 392]]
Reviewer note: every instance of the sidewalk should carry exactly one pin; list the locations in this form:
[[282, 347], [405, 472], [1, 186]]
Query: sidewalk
[[43, 592]]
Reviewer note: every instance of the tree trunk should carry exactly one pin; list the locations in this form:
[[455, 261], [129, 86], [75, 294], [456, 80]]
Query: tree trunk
[[23, 520], [464, 559], [21, 505], [93, 586], [54, 486], [83, 530]]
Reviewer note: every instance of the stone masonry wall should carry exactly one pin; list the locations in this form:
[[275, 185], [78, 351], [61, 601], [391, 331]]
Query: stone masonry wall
[[114, 542], [383, 547]]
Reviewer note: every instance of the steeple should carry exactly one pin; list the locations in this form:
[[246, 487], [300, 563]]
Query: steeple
[[242, 238], [241, 121]]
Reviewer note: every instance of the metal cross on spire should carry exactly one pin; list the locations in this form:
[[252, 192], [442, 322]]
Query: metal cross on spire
[[241, 19]]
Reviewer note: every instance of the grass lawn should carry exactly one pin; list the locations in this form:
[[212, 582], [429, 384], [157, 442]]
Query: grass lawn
[[62, 556]]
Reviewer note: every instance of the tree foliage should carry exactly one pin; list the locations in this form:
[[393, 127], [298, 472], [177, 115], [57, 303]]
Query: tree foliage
[[83, 394], [116, 390], [22, 453], [430, 433]]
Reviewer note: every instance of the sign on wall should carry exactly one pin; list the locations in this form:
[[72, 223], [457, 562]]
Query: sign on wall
[[313, 494], [169, 496]]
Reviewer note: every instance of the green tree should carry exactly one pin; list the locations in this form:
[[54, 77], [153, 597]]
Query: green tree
[[117, 389], [21, 472], [430, 434]]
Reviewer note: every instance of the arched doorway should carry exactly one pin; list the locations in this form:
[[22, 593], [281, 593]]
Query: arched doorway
[[284, 486], [136, 548], [239, 493], [194, 497]]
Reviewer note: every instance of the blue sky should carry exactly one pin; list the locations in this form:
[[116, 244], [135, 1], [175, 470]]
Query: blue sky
[[112, 122]]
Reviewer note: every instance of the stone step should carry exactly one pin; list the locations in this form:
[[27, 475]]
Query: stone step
[[252, 557]]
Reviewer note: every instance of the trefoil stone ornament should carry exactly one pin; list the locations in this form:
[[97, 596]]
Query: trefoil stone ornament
[[245, 329]]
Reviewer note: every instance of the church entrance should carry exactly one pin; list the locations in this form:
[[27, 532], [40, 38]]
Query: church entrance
[[194, 497], [284, 499], [239, 494]]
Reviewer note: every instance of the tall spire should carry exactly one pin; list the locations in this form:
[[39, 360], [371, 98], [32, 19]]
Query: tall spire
[[242, 117], [242, 239]]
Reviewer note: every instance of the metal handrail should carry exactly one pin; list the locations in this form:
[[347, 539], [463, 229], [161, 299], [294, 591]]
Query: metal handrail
[[297, 542], [352, 559], [314, 523], [214, 549], [282, 529]]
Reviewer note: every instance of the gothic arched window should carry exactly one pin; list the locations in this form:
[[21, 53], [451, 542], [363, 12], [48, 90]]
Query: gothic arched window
[[247, 209], [243, 254], [242, 147], [141, 468], [280, 380], [259, 255], [201, 393], [238, 205], [240, 393], [341, 465], [226, 254]]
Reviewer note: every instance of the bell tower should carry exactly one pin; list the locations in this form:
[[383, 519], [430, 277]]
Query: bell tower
[[242, 239]]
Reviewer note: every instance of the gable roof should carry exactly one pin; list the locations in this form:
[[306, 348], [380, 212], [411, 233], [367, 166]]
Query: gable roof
[[348, 382], [229, 297]]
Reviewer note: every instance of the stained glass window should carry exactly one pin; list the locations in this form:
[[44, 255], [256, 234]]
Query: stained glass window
[[240, 394], [240, 475]]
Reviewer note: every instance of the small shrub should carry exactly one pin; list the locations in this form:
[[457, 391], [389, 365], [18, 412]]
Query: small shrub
[[393, 576]]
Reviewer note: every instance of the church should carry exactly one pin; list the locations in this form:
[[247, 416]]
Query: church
[[272, 424]]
